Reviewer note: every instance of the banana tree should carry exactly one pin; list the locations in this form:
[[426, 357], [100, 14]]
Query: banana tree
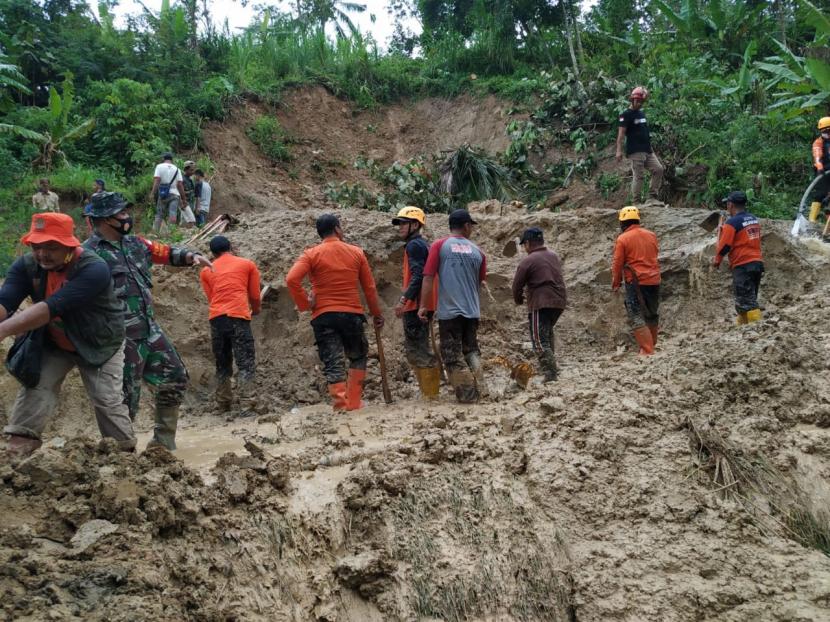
[[803, 81], [58, 132]]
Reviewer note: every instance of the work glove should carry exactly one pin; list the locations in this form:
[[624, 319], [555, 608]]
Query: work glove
[[716, 261]]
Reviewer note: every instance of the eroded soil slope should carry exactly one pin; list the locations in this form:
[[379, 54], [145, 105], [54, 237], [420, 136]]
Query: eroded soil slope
[[691, 485]]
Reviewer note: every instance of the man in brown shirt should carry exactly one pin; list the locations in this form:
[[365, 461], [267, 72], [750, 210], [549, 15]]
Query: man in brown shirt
[[44, 200], [541, 273]]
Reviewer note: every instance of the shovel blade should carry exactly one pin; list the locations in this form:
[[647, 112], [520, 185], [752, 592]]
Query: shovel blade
[[510, 249], [711, 222]]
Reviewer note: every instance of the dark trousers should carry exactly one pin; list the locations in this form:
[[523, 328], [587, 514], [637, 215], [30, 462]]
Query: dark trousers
[[643, 312], [541, 323], [746, 280], [820, 190], [338, 334], [459, 337], [416, 341], [231, 339]]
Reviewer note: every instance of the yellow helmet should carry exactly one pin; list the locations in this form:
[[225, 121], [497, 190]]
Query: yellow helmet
[[629, 212], [824, 123], [410, 212]]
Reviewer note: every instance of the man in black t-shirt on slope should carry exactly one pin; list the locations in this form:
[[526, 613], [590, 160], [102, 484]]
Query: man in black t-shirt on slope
[[633, 126]]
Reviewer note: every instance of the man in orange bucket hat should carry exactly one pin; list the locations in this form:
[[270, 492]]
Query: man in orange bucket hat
[[81, 324]]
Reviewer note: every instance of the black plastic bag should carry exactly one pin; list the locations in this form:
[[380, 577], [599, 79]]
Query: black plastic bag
[[25, 357]]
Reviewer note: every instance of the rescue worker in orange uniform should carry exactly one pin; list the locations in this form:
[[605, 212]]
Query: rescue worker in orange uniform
[[821, 165], [635, 262], [410, 220], [232, 290], [335, 269], [740, 238]]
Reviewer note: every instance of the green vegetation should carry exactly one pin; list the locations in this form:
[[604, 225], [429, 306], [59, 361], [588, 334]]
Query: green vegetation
[[267, 134], [736, 87]]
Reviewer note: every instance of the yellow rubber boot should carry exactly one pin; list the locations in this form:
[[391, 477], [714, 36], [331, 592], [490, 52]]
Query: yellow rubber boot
[[753, 315], [429, 381], [815, 208], [741, 319]]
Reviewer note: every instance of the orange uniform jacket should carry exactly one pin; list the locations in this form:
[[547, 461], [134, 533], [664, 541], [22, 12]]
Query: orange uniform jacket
[[637, 248], [740, 238], [232, 287], [334, 269]]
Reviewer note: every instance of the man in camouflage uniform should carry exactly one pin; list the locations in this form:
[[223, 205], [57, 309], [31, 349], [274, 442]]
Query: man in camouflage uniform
[[149, 355]]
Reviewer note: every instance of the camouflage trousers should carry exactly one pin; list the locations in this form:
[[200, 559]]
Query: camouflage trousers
[[462, 358], [416, 341], [155, 361], [231, 339]]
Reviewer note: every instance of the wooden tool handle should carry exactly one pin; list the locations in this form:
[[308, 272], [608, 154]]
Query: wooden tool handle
[[384, 379]]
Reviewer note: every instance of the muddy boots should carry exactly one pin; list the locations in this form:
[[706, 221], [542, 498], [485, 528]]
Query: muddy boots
[[747, 317], [644, 339], [474, 361], [429, 381], [354, 388], [753, 315], [224, 395], [18, 446], [653, 330], [337, 391], [464, 384], [164, 430], [248, 402], [547, 361]]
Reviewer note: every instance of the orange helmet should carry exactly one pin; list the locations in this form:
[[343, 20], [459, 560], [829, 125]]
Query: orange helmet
[[639, 92]]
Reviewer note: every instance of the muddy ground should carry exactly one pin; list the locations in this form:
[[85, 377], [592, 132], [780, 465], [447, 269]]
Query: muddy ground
[[691, 485]]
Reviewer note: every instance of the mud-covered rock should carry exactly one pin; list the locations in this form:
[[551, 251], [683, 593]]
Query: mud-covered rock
[[367, 572]]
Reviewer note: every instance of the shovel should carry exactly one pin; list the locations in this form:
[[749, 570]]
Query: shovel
[[713, 220], [384, 377]]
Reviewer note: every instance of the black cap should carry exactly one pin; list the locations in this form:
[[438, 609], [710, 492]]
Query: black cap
[[166, 156], [533, 234], [326, 224], [219, 244], [736, 196], [461, 217]]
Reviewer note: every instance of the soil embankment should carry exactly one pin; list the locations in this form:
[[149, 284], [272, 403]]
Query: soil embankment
[[691, 485]]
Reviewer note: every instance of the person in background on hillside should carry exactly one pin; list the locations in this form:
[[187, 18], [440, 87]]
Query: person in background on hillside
[[167, 192], [821, 165], [740, 238], [232, 290], [634, 128], [410, 221], [461, 268], [97, 186], [73, 298], [188, 210], [335, 269], [203, 193], [541, 273], [149, 355], [635, 262], [44, 200]]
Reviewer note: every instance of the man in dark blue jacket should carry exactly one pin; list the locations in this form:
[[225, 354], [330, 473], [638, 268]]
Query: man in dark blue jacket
[[83, 321]]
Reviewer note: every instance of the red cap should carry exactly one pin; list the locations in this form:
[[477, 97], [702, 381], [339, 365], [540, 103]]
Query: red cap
[[51, 227]]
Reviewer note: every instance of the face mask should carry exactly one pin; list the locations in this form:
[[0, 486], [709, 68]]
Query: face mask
[[124, 225], [825, 134]]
